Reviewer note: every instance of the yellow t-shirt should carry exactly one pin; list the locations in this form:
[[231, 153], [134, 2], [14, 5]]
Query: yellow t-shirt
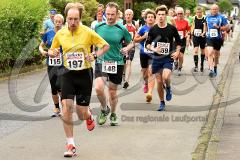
[[76, 45]]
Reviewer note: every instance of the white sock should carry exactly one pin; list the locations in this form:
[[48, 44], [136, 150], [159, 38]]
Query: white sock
[[70, 141]]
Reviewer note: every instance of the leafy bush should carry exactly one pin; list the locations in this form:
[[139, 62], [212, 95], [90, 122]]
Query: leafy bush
[[88, 14], [139, 6], [20, 21]]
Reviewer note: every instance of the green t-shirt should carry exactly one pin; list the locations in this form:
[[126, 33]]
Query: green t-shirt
[[114, 36], [190, 20]]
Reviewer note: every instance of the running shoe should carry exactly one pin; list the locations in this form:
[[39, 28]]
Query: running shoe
[[103, 116], [179, 73], [56, 112], [201, 69], [113, 119], [212, 74], [145, 88], [90, 123], [195, 69], [71, 151], [125, 85], [148, 97], [162, 106], [168, 93]]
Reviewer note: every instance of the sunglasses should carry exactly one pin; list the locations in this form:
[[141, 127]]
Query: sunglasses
[[180, 13]]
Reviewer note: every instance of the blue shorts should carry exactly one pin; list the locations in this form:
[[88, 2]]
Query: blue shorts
[[158, 66]]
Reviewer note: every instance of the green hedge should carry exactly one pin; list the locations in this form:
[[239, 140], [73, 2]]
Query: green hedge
[[20, 21], [88, 14]]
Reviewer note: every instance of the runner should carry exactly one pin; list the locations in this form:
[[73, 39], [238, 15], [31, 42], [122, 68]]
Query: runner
[[184, 32], [170, 17], [163, 35], [53, 63], [110, 66], [146, 55], [129, 23], [216, 23], [99, 20], [199, 39], [49, 23], [77, 78], [141, 21], [188, 17]]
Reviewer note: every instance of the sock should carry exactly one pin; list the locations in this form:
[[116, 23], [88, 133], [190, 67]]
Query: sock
[[163, 102], [215, 69], [70, 141], [202, 59], [195, 57], [57, 105]]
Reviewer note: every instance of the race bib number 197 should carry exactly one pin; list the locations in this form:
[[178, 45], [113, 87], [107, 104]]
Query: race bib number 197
[[75, 60], [109, 67]]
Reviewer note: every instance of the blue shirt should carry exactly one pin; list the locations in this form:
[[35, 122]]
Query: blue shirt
[[212, 32], [141, 32], [48, 24], [47, 39]]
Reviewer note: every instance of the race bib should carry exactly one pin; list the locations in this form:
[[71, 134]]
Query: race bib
[[213, 32], [145, 50], [164, 48], [197, 32], [75, 61], [56, 61], [109, 67], [181, 34]]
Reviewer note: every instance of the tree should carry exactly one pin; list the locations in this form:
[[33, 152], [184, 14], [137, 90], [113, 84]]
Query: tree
[[187, 4], [225, 6]]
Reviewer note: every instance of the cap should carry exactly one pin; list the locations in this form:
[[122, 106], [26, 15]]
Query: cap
[[53, 11]]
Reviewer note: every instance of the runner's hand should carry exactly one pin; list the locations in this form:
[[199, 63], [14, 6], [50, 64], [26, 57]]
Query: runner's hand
[[124, 50], [90, 57], [175, 55], [54, 53]]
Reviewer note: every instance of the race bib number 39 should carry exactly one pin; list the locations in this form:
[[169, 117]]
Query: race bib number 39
[[213, 32], [56, 61], [75, 60], [109, 67], [164, 48], [197, 32]]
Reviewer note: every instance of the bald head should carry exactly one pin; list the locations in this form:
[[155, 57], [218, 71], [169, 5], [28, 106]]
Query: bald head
[[214, 9]]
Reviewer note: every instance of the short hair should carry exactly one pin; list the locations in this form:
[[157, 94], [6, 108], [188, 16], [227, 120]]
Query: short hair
[[100, 5], [113, 5], [149, 11], [199, 8], [75, 5], [179, 9], [59, 16], [128, 10], [161, 8]]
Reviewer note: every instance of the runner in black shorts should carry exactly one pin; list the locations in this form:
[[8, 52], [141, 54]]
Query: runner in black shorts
[[162, 35], [216, 24], [146, 55], [53, 63], [77, 79], [111, 64], [199, 38], [183, 28]]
